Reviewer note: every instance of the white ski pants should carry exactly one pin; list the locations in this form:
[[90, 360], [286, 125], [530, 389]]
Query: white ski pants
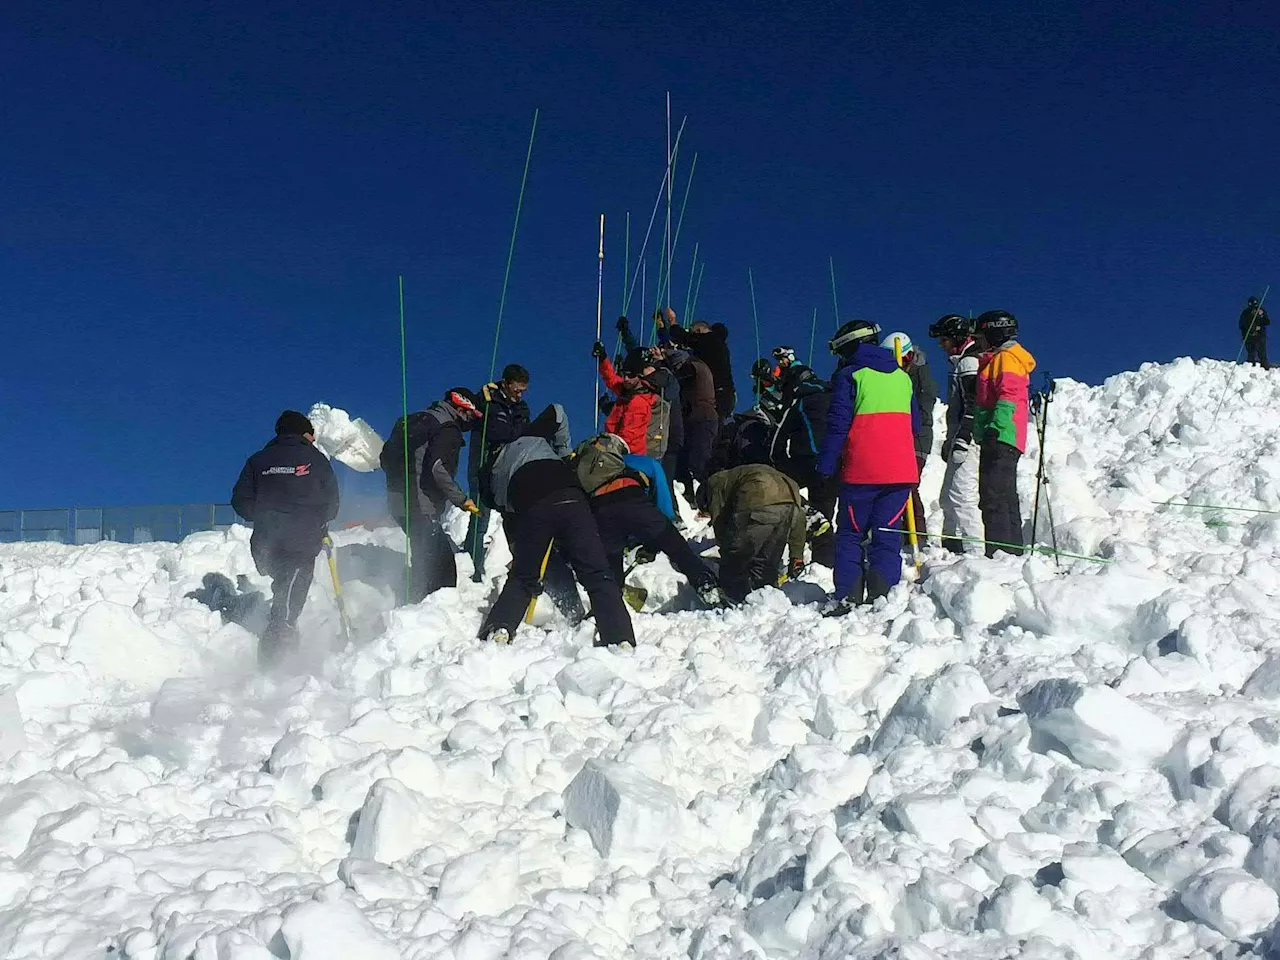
[[961, 515]]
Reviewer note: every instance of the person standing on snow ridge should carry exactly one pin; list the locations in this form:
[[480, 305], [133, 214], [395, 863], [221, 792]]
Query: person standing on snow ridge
[[870, 445], [544, 506], [756, 512], [766, 384], [961, 516], [288, 491], [701, 419], [503, 414], [667, 384], [1001, 413], [435, 443], [806, 400], [925, 390], [628, 496], [1253, 331], [710, 344]]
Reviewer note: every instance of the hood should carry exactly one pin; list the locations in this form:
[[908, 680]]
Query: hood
[[871, 356], [1019, 353], [444, 411]]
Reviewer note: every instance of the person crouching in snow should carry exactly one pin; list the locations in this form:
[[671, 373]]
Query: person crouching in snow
[[870, 446], [632, 503], [1000, 418], [756, 512], [543, 505], [288, 491], [961, 517]]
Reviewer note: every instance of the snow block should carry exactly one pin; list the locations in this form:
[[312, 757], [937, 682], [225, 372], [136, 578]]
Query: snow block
[[333, 930], [937, 820], [114, 644], [624, 812], [1096, 726], [1232, 902], [12, 735], [394, 822], [1015, 909], [485, 882], [931, 706], [1264, 683]]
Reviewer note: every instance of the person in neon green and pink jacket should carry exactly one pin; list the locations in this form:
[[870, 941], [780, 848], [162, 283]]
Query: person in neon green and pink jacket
[[1001, 413]]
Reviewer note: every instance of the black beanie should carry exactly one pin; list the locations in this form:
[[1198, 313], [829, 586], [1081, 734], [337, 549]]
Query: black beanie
[[291, 421]]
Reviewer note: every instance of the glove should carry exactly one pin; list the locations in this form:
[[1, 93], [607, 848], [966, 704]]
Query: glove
[[623, 325], [795, 568], [598, 351], [470, 507], [605, 404]]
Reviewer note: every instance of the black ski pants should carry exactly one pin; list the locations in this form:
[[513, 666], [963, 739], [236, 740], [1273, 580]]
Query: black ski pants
[[751, 546], [291, 568], [565, 519], [625, 519], [822, 494], [998, 497], [699, 438], [432, 565], [1256, 348]]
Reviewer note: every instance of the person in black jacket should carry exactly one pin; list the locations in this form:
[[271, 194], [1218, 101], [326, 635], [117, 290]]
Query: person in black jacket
[[544, 505], [805, 399], [710, 344], [288, 491], [503, 415], [1253, 331], [436, 439]]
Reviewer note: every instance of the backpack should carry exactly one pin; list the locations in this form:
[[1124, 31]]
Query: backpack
[[745, 439], [658, 431], [422, 427], [596, 466]]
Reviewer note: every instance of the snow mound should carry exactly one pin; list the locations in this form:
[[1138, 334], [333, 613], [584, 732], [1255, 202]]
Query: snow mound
[[1009, 759]]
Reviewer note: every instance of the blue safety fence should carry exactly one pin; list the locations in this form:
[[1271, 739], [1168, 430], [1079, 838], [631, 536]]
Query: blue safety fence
[[363, 501]]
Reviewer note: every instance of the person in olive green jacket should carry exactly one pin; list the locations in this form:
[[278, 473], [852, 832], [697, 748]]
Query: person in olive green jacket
[[756, 512]]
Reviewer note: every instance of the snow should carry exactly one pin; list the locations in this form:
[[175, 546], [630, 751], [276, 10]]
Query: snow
[[347, 440], [1007, 759]]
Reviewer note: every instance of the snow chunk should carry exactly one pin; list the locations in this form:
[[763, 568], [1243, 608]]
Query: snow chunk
[[936, 820], [114, 644], [931, 706], [625, 813], [1264, 683], [1232, 902], [1095, 725], [348, 441], [12, 736], [394, 822], [484, 882], [333, 930], [1015, 909]]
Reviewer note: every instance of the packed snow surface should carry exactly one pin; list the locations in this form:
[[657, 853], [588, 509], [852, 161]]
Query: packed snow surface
[[1005, 759]]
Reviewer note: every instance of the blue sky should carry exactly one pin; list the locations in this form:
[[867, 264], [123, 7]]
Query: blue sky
[[205, 207]]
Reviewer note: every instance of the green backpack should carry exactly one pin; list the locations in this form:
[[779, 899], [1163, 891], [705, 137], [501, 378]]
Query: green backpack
[[596, 464]]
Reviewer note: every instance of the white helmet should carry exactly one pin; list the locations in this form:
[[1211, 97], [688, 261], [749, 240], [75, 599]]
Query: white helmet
[[904, 342]]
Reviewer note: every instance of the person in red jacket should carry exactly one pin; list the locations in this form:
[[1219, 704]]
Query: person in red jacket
[[632, 414]]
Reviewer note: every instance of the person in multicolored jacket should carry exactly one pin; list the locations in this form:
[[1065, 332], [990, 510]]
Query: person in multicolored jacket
[[870, 447], [1001, 413]]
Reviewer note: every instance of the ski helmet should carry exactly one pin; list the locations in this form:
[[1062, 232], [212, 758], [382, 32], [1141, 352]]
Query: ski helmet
[[464, 402], [904, 343], [1253, 302], [952, 326], [784, 355], [851, 334], [997, 326], [762, 369]]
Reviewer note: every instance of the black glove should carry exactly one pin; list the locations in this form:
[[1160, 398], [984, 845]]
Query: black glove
[[623, 324], [598, 351], [605, 404]]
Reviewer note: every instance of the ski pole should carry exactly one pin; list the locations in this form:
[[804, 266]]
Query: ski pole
[[912, 538], [542, 575], [595, 389], [1038, 412], [337, 591], [1048, 498]]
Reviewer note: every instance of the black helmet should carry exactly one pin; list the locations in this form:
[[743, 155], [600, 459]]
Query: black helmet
[[952, 326], [996, 326], [1253, 301], [851, 334], [762, 369]]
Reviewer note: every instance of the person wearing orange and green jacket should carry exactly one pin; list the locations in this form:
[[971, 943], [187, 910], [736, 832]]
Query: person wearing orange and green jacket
[[1001, 413]]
